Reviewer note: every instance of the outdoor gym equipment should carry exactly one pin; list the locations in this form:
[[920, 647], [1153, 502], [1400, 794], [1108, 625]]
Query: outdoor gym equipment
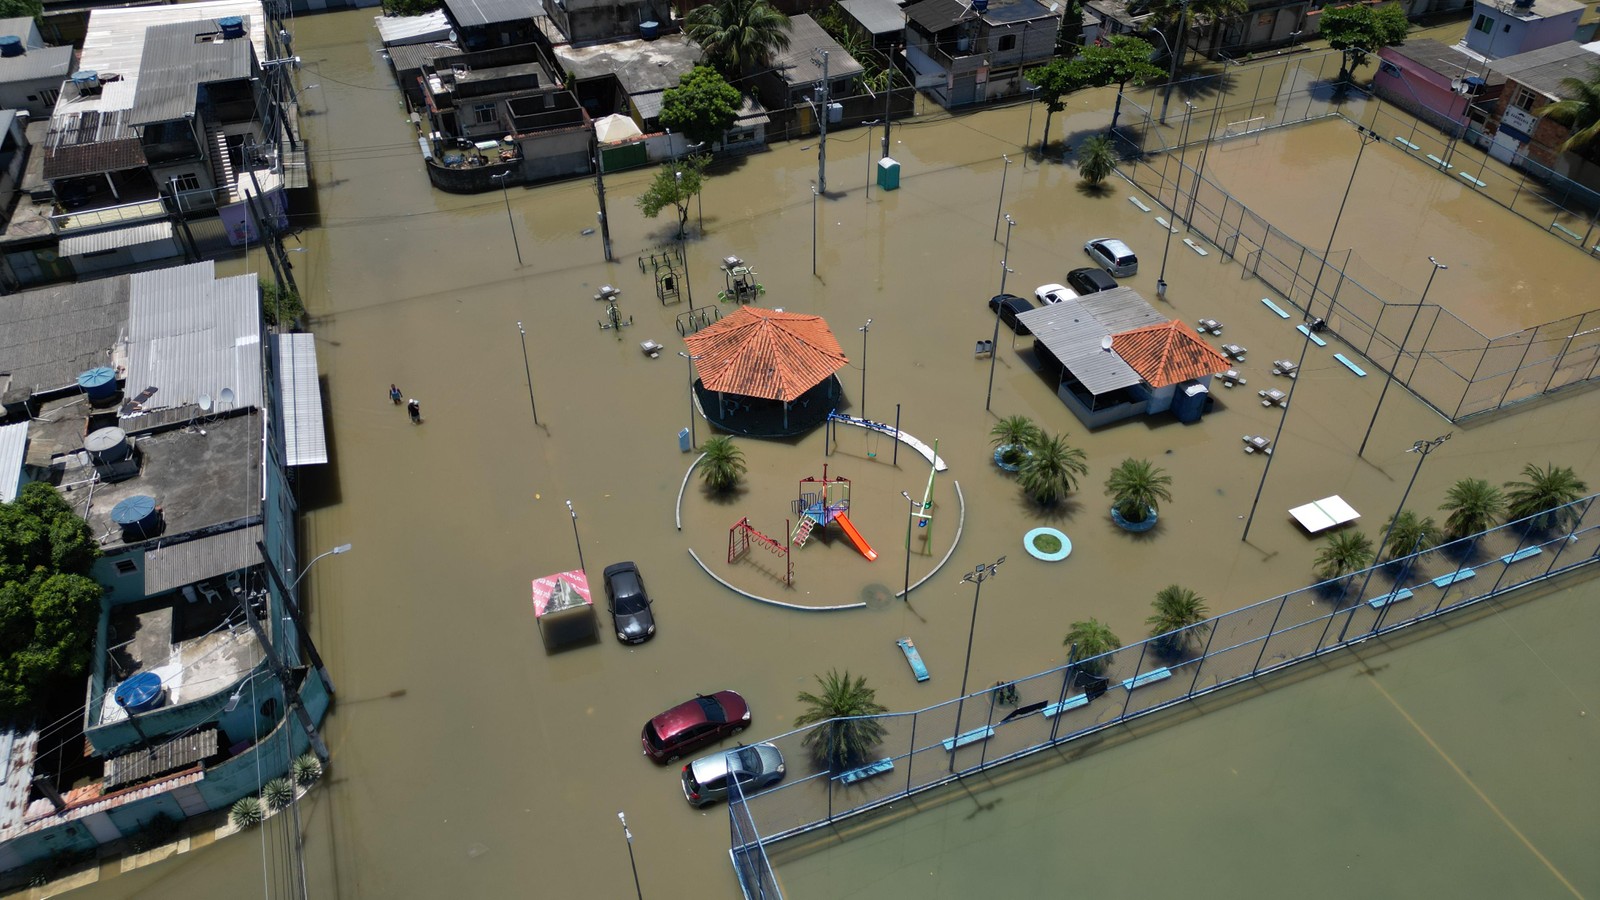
[[613, 318], [740, 277]]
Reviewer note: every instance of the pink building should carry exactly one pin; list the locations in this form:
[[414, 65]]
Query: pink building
[[1434, 82]]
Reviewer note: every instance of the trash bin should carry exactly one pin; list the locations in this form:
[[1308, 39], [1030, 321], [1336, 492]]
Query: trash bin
[[683, 440], [888, 174]]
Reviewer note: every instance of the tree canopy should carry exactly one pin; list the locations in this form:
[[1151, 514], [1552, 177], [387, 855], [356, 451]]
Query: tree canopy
[[676, 183], [392, 7], [1118, 61], [21, 9], [48, 602], [701, 106], [737, 35], [1356, 31], [1580, 112]]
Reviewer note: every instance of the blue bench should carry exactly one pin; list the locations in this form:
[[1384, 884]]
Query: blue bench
[[1522, 554], [1056, 709], [1459, 575], [1275, 308], [1150, 677], [975, 736], [1314, 339], [1350, 365], [878, 768], [1393, 597]]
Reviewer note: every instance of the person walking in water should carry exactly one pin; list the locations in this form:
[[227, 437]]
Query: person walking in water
[[415, 409], [394, 394]]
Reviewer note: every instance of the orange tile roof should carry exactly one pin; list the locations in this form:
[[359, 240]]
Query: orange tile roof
[[765, 353], [1168, 353]]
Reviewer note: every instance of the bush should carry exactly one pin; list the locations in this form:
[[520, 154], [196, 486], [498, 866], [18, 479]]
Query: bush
[[246, 811], [307, 769], [279, 792], [281, 304]]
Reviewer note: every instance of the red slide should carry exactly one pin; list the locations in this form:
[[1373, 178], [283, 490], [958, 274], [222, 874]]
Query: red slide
[[855, 538]]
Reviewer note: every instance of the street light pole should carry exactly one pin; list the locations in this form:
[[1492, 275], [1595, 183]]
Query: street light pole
[[977, 576], [1422, 449], [342, 548], [693, 442], [503, 178], [1027, 141], [864, 329], [638, 891], [529, 372], [1002, 204], [1183, 141], [1389, 379], [911, 511], [1367, 137], [575, 539], [995, 341], [813, 230]]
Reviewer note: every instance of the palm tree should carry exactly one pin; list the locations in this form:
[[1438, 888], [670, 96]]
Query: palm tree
[[1580, 112], [1179, 614], [1137, 488], [738, 35], [1014, 435], [1052, 472], [1548, 494], [723, 464], [844, 739], [1343, 553], [1410, 533], [1474, 506], [1096, 160], [1094, 639]]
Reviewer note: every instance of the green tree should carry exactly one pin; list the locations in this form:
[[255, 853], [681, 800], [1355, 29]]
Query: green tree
[[1052, 472], [410, 7], [21, 9], [723, 464], [1097, 159], [846, 706], [1137, 488], [1410, 533], [702, 106], [1119, 61], [1548, 494], [738, 35], [1054, 80], [1358, 30], [1342, 553], [1178, 618], [48, 602], [1014, 435], [1094, 638], [1069, 37], [1580, 111], [1474, 505], [675, 184], [280, 304]]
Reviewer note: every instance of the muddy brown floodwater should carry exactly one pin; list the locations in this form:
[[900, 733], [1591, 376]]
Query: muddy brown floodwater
[[468, 761]]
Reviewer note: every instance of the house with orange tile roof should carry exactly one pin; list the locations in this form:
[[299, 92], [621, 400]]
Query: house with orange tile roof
[[766, 373]]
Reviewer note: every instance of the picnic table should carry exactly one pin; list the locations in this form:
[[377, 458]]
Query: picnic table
[[1255, 443], [1274, 397], [1285, 367], [1231, 378], [1234, 352], [1210, 326]]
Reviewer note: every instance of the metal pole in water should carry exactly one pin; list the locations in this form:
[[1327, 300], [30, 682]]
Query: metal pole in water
[[529, 372], [1400, 352], [999, 301]]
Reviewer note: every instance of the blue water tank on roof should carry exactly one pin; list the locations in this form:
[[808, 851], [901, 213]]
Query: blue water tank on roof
[[99, 383]]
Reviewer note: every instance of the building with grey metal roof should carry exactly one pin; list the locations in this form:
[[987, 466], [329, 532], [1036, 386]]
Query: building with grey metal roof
[[800, 66], [877, 18], [48, 336], [178, 59], [473, 13], [1544, 69], [13, 452], [193, 336]]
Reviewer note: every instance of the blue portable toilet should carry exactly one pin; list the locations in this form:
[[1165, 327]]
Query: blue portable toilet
[[1190, 403], [888, 174], [99, 383]]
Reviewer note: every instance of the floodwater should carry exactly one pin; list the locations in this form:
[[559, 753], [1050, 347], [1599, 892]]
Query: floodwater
[[468, 761]]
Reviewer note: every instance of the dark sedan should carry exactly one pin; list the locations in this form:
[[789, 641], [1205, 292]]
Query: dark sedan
[[1009, 305], [629, 604]]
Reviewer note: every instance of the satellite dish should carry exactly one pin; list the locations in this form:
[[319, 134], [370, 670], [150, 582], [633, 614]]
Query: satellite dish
[[452, 35], [226, 396], [205, 402], [1105, 342]]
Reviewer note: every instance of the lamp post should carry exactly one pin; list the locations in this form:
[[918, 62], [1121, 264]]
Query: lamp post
[[575, 539], [977, 576], [994, 342], [864, 329], [1367, 137], [693, 441], [911, 513], [503, 178], [342, 548], [1177, 186], [813, 230], [1027, 140], [1422, 449], [529, 372], [637, 891], [868, 153], [1399, 353], [998, 207], [683, 251]]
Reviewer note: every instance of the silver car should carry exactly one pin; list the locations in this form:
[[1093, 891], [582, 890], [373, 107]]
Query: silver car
[[705, 780], [1114, 256]]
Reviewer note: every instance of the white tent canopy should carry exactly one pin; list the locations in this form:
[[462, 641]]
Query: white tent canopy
[[615, 129]]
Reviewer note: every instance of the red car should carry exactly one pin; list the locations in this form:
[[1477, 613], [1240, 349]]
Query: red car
[[690, 725]]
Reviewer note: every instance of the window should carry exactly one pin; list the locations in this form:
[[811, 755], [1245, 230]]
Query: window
[[1525, 99], [126, 567], [1007, 42], [188, 181], [483, 114], [1484, 24]]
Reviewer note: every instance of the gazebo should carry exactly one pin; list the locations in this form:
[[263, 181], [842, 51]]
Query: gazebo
[[766, 373]]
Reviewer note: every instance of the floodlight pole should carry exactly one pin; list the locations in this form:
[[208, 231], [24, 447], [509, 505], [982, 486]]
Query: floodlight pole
[[977, 576], [503, 178], [993, 343], [1177, 57], [1177, 187], [998, 207], [529, 372], [1422, 449], [1389, 379], [864, 329], [911, 509]]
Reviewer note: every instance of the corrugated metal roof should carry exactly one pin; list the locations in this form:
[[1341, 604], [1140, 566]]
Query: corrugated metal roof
[[178, 753], [90, 142], [305, 441], [13, 444], [406, 57], [18, 749], [1544, 69], [191, 333], [468, 13], [1168, 353], [1121, 308], [764, 353], [876, 16], [647, 105], [50, 335], [116, 238], [801, 64], [1073, 335], [397, 31], [180, 57], [43, 62], [171, 566], [937, 15]]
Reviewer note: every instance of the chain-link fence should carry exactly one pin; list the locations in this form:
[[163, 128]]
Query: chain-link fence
[[748, 851], [894, 756], [1446, 362]]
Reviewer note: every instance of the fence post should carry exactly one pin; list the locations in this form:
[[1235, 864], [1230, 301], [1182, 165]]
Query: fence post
[[1512, 379], [1066, 681], [1143, 646], [1271, 630], [1200, 663], [1383, 307], [1571, 534], [1422, 349], [911, 752]]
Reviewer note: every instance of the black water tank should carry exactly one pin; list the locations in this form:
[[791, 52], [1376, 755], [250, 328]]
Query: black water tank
[[11, 45]]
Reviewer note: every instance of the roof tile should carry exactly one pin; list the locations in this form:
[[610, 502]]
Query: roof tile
[[1167, 354], [765, 353]]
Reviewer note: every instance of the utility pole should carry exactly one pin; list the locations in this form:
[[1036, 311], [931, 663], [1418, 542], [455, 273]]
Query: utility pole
[[822, 125], [299, 620], [600, 188], [888, 94], [290, 693]]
